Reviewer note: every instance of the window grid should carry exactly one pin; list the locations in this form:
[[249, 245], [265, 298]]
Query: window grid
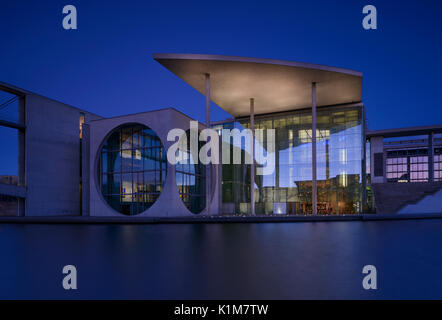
[[339, 150], [133, 169], [397, 169], [419, 169], [416, 169]]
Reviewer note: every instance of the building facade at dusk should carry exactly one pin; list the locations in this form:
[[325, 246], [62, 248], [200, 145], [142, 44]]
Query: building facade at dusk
[[72, 162], [406, 170]]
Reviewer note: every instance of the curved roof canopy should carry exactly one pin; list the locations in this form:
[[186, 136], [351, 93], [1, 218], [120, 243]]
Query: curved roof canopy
[[275, 85]]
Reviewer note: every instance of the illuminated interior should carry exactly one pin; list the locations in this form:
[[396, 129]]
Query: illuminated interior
[[132, 169]]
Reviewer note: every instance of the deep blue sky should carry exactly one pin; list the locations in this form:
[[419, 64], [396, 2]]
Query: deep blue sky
[[106, 65]]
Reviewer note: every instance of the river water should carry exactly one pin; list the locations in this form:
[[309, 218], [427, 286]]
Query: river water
[[318, 260]]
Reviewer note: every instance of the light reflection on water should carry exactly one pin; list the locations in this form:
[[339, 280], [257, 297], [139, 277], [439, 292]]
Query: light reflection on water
[[223, 261]]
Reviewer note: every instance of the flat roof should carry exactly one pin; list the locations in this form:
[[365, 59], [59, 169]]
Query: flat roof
[[276, 85], [149, 111], [404, 132], [9, 88]]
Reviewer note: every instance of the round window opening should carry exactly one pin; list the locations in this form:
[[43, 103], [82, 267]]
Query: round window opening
[[132, 169]]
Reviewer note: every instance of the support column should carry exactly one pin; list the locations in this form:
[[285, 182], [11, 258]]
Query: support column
[[208, 167], [22, 153], [252, 153], [430, 157], [364, 206], [314, 189]]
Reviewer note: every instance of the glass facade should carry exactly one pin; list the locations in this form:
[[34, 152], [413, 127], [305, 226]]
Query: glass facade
[[419, 169], [288, 190], [397, 169], [9, 155], [369, 200], [132, 169], [191, 179], [12, 141], [409, 165]]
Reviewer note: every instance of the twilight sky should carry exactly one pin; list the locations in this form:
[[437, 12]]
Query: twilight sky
[[106, 66]]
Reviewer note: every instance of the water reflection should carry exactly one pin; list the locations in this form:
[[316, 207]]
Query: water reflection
[[222, 261]]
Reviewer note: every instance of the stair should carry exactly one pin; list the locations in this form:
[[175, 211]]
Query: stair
[[429, 204], [392, 197]]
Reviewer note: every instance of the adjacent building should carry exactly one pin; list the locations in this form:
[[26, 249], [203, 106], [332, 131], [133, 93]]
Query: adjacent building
[[406, 169]]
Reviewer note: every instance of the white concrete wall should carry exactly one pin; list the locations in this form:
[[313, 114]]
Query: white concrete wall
[[52, 157], [161, 121]]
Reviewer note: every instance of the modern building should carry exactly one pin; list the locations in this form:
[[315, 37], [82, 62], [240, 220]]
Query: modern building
[[74, 163], [406, 169]]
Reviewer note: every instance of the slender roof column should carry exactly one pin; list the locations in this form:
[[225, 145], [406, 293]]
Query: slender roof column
[[314, 189], [252, 152], [208, 167], [431, 157], [22, 153]]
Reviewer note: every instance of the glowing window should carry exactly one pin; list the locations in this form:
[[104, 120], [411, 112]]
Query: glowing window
[[132, 169]]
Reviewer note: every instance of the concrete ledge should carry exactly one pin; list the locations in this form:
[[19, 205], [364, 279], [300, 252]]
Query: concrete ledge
[[12, 190], [404, 216], [212, 219]]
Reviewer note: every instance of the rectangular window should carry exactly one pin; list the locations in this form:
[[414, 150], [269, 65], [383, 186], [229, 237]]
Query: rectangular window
[[419, 169], [379, 164], [397, 169]]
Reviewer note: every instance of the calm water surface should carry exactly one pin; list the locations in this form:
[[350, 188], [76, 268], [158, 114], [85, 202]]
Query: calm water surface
[[223, 261]]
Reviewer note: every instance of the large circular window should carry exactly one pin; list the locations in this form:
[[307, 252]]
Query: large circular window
[[132, 169], [191, 177]]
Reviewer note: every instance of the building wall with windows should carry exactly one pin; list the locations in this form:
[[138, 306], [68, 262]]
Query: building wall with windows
[[340, 155], [405, 166], [12, 189], [129, 173], [57, 169], [47, 179], [406, 158]]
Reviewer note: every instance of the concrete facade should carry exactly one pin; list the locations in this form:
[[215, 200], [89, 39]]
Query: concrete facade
[[169, 203], [431, 203], [57, 170], [390, 198], [52, 170], [48, 181]]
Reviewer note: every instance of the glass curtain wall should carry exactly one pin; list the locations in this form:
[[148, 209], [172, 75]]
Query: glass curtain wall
[[235, 177], [288, 190], [409, 165], [191, 178], [11, 141]]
